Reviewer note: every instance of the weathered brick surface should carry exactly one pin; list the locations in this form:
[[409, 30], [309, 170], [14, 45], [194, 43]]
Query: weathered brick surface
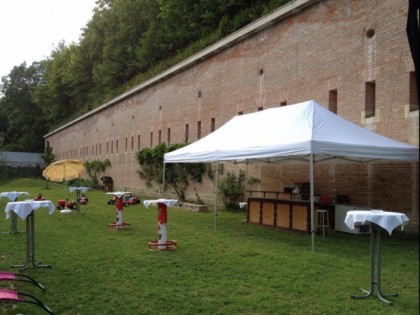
[[314, 50]]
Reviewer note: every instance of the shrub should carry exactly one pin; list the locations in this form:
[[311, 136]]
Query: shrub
[[232, 189]]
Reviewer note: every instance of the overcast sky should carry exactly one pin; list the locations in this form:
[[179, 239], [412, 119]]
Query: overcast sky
[[31, 29]]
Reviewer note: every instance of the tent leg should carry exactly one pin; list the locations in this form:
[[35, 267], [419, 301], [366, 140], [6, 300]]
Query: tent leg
[[311, 176], [217, 196]]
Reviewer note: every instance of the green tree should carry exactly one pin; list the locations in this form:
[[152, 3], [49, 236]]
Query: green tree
[[62, 94], [23, 122], [48, 156], [120, 26]]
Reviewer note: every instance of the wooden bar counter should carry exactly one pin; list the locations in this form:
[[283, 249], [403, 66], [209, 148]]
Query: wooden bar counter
[[282, 213]]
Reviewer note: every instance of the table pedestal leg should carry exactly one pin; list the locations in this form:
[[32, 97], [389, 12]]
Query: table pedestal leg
[[13, 227], [375, 237], [162, 220], [30, 245]]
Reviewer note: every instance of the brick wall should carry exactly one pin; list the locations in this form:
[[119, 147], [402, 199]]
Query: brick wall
[[303, 54]]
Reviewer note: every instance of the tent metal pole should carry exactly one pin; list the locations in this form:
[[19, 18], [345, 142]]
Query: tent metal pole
[[311, 170], [163, 180], [217, 195]]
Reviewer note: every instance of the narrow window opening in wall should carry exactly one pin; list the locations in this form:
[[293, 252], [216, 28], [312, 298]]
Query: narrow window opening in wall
[[91, 152], [370, 33], [169, 136], [132, 144], [199, 94], [160, 136], [96, 149], [414, 98], [261, 71], [151, 139], [240, 113], [198, 130], [112, 147], [260, 108], [138, 142], [100, 149], [126, 144], [107, 148], [284, 103], [213, 125], [116, 146], [370, 99], [332, 101], [186, 133]]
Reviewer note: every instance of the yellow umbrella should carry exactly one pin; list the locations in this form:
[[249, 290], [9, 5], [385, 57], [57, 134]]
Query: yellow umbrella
[[64, 170]]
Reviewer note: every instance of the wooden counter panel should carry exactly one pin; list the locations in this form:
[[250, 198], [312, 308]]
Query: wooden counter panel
[[286, 214], [283, 215], [254, 211], [300, 217], [268, 213]]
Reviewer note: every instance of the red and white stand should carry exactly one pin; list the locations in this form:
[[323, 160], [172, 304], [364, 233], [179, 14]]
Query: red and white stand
[[162, 243], [119, 207]]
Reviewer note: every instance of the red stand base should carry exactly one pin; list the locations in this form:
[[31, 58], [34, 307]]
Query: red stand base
[[169, 245], [115, 226]]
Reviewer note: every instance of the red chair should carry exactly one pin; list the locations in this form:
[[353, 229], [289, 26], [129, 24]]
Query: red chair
[[63, 204], [15, 296]]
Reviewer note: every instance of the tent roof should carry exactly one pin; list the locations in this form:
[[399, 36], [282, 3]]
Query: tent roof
[[292, 133]]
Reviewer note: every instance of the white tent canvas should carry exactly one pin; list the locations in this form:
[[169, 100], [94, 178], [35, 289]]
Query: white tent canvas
[[300, 132], [292, 131]]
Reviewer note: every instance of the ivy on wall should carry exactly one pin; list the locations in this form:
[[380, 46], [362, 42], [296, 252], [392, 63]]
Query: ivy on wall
[[177, 175]]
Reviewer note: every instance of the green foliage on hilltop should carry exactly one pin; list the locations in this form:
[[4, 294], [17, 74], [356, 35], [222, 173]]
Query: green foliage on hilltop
[[124, 43]]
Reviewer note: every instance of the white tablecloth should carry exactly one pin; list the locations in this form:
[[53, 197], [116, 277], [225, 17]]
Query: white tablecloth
[[168, 202], [12, 195], [387, 220], [24, 208], [81, 189], [119, 194]]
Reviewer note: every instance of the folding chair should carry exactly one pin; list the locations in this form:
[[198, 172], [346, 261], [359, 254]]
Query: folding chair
[[15, 296], [11, 276]]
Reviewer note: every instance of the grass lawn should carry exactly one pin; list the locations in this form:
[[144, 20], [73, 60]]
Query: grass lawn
[[236, 269]]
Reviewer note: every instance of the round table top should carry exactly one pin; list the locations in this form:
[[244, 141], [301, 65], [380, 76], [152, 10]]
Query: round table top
[[385, 219], [24, 208], [168, 202]]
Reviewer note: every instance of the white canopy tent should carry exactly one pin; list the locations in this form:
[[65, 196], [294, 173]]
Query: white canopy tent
[[301, 132]]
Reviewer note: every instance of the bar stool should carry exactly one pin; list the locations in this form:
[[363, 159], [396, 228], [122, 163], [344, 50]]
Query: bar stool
[[322, 220]]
